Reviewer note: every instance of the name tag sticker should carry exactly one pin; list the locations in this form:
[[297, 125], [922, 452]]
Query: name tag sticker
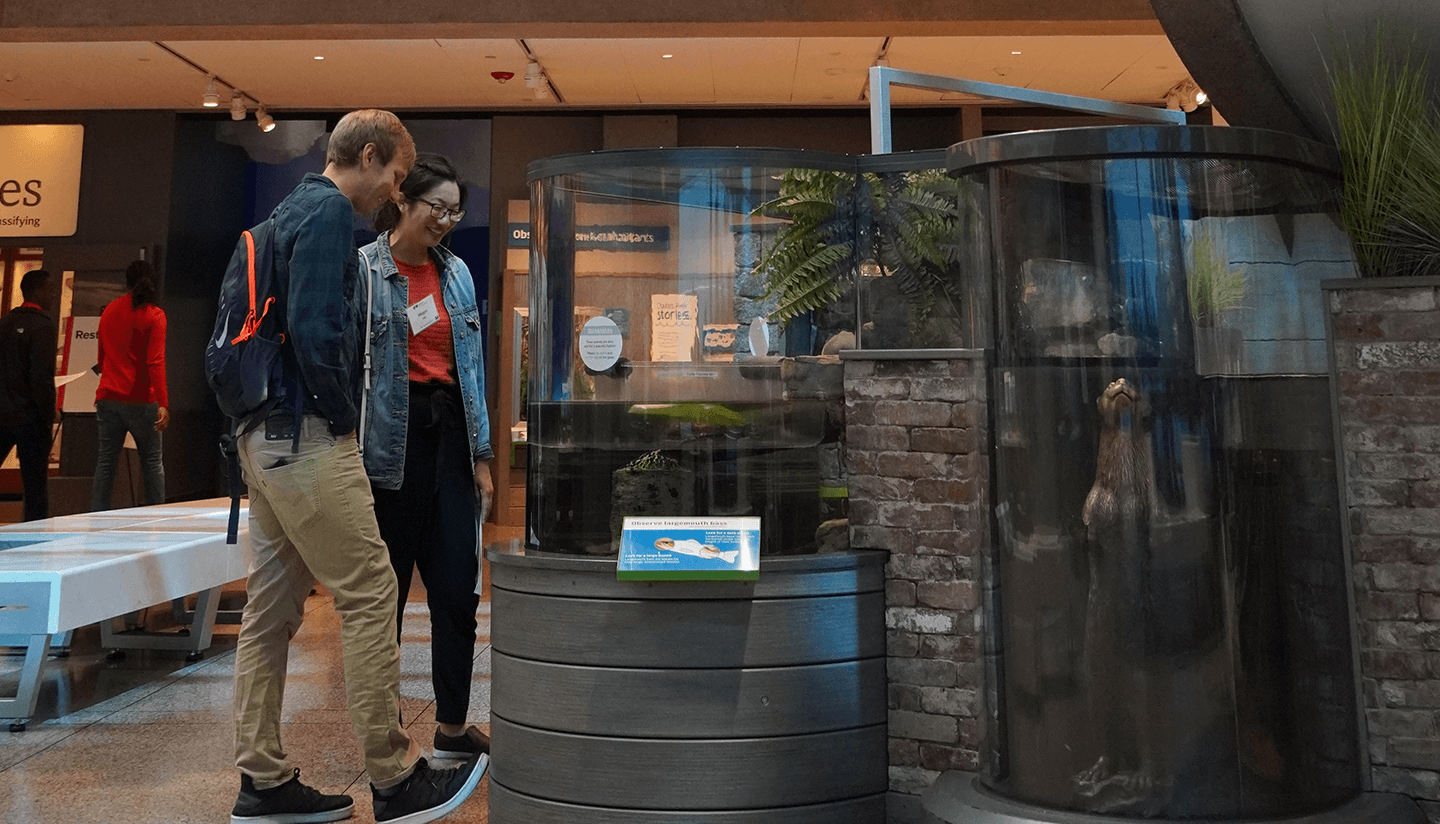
[[422, 314]]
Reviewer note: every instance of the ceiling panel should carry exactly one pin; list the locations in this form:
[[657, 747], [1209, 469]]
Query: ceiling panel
[[469, 64], [833, 70], [987, 59], [1087, 65], [586, 72], [456, 73], [1154, 73], [686, 77], [383, 73], [95, 75], [755, 71]]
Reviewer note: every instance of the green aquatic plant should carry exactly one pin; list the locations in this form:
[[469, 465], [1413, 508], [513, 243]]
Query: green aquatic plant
[[1214, 288]]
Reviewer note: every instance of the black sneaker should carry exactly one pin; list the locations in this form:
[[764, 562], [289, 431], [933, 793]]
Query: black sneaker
[[428, 793], [461, 746], [289, 803]]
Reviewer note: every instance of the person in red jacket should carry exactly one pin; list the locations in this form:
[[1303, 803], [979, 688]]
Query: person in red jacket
[[131, 396]]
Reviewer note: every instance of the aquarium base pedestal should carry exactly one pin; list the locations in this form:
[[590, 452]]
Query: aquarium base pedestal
[[957, 798]]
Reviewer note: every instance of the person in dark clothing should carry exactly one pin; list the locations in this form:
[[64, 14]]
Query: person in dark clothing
[[27, 388]]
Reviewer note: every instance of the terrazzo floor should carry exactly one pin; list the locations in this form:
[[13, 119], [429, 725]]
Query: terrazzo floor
[[148, 739]]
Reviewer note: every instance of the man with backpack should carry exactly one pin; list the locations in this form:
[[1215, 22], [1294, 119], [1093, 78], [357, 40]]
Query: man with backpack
[[27, 388], [311, 511]]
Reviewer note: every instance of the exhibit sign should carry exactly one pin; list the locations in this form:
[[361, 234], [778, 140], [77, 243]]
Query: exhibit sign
[[600, 344], [689, 549], [601, 238], [40, 180], [672, 327], [80, 353]]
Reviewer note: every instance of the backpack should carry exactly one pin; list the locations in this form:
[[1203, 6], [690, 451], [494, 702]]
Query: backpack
[[243, 354], [242, 357], [244, 348]]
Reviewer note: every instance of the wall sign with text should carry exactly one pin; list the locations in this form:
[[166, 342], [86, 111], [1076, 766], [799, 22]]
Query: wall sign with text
[[689, 549], [602, 238], [40, 180]]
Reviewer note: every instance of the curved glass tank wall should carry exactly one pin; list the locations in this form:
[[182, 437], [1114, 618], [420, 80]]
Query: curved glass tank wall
[[1168, 632], [691, 399]]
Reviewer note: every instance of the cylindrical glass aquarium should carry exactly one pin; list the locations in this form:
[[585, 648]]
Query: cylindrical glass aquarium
[[1167, 627], [686, 306]]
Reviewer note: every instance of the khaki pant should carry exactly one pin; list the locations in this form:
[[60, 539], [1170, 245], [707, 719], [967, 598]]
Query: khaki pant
[[312, 518]]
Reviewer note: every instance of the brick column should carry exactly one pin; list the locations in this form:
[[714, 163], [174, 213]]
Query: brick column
[[915, 449], [1386, 339]]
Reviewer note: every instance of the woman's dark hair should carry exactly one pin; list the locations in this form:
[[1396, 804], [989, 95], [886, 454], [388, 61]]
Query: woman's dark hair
[[430, 170], [140, 282]]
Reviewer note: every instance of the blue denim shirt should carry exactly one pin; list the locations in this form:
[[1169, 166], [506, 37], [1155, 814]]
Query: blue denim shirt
[[388, 399], [319, 268]]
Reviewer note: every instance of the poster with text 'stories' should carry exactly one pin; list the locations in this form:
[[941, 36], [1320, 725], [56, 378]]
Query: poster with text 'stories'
[[690, 549], [40, 180]]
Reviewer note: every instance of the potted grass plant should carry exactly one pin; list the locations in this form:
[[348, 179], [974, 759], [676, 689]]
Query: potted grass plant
[[1388, 131]]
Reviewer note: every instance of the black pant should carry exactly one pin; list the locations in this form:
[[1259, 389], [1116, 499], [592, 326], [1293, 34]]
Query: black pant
[[429, 524], [32, 444]]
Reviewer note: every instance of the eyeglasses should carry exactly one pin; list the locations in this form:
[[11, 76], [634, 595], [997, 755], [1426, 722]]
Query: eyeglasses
[[440, 211]]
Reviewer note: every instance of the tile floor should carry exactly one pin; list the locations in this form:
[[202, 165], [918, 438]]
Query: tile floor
[[148, 739]]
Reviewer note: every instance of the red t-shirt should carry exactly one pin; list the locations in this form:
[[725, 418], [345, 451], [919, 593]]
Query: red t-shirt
[[132, 353], [432, 351]]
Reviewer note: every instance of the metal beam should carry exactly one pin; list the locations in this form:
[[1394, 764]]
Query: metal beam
[[883, 77]]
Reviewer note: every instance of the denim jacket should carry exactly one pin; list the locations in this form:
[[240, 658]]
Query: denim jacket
[[388, 399], [319, 270]]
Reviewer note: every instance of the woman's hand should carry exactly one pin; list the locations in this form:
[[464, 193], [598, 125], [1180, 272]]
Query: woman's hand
[[162, 419], [485, 485]]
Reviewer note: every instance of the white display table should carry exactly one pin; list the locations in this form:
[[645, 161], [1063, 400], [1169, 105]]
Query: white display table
[[68, 572]]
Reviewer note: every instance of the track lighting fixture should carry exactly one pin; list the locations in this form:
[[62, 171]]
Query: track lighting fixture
[[1185, 96], [212, 94], [238, 109], [534, 76], [264, 120]]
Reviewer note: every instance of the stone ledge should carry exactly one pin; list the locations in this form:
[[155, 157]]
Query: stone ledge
[[912, 354]]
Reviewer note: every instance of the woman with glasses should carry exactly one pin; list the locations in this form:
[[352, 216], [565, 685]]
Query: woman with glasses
[[426, 432]]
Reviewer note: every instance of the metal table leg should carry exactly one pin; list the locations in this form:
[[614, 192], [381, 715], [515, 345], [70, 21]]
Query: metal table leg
[[21, 707], [194, 639]]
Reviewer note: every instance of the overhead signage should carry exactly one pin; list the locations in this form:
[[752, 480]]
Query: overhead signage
[[603, 238], [689, 549], [40, 180]]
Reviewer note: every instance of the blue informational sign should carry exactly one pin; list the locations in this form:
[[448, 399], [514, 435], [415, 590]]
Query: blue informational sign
[[602, 238], [690, 549]]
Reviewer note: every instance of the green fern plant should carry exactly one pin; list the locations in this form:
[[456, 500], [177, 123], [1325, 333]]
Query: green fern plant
[[908, 222]]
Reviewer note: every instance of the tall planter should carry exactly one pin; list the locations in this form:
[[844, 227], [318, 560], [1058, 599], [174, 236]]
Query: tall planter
[[1385, 358]]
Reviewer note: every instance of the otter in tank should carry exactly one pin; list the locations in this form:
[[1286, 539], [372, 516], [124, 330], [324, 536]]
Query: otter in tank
[[1118, 515]]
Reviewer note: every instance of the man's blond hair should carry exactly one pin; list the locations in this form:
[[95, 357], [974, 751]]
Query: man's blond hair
[[363, 126]]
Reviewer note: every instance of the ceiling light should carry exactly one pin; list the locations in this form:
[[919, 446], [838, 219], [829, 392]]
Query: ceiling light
[[501, 77], [237, 107], [319, 57], [534, 77], [212, 94], [1014, 52], [1185, 96], [667, 56], [264, 120]]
